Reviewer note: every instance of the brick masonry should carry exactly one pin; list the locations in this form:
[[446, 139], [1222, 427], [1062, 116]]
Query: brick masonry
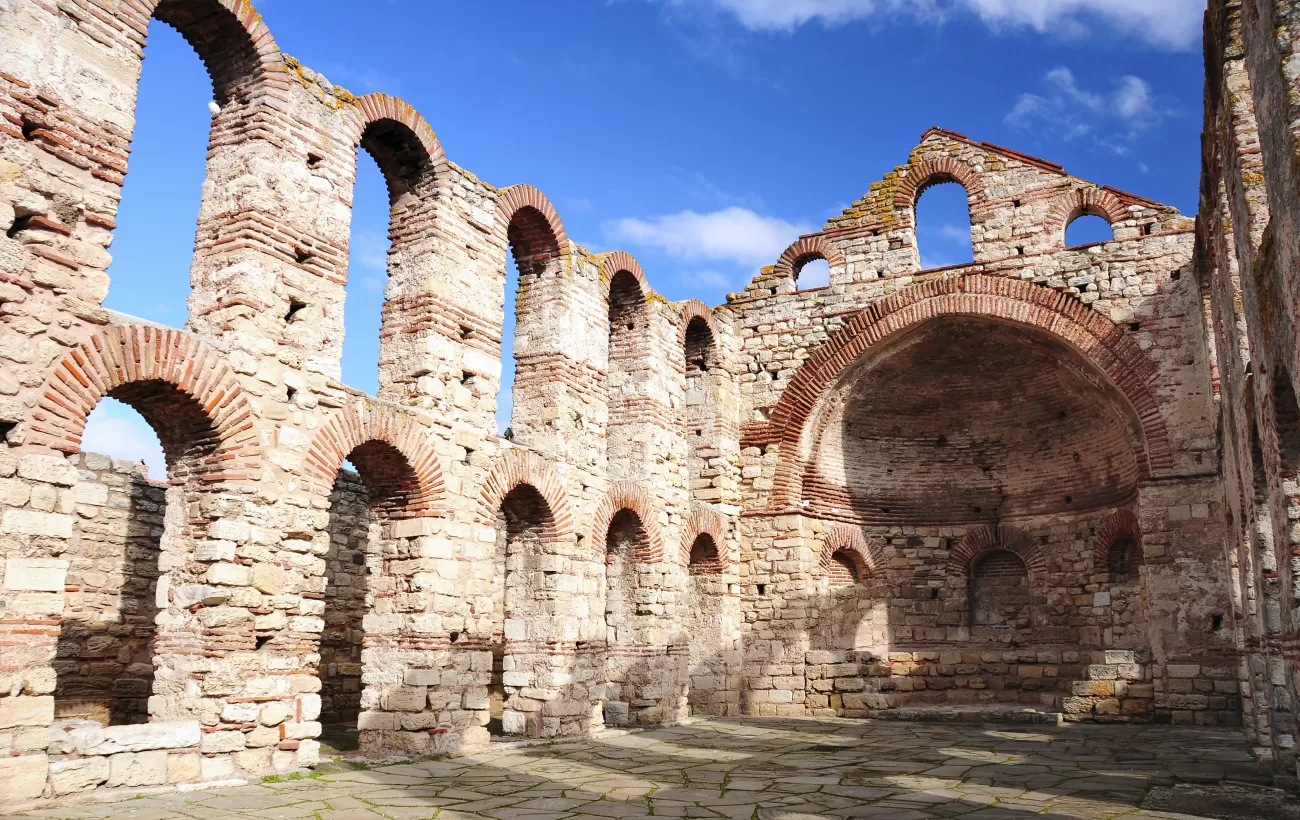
[[1051, 484]]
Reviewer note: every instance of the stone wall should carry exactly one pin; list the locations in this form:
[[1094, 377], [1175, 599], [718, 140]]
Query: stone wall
[[1054, 479]]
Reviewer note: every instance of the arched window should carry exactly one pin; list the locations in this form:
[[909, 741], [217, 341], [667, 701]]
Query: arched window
[[628, 336], [700, 348], [125, 523], [153, 243], [1086, 229], [367, 278], [363, 506], [624, 540], [943, 225], [999, 590], [535, 250], [814, 273], [522, 524], [705, 558]]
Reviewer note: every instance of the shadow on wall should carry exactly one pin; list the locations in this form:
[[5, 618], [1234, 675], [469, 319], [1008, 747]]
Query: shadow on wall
[[104, 661]]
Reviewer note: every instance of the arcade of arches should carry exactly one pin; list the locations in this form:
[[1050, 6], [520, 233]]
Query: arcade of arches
[[1053, 481]]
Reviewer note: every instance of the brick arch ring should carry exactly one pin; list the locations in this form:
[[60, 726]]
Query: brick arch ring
[[260, 44], [1122, 523], [1072, 204], [126, 354], [516, 468], [615, 261], [1085, 330], [980, 541], [704, 521], [868, 554], [926, 173], [379, 107], [520, 197], [362, 422], [626, 495], [803, 251]]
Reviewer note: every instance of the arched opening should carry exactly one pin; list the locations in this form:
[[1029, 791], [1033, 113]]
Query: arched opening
[[125, 524], [535, 252], [523, 523], [628, 354], [1086, 229], [814, 272], [943, 224], [700, 350], [625, 539], [705, 559], [364, 504], [701, 411], [1124, 559], [999, 596], [153, 243], [367, 279], [916, 431], [843, 569]]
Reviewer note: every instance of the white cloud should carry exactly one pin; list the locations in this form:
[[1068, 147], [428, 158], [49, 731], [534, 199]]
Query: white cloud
[[732, 234], [117, 431], [370, 249], [1066, 110], [710, 280], [1165, 23]]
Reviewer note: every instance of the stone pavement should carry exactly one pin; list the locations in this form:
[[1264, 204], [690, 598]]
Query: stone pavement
[[769, 769]]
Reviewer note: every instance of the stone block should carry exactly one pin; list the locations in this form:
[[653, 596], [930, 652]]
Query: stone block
[[78, 774], [48, 469], [230, 575], [422, 677], [218, 742], [26, 711], [97, 740], [407, 699], [35, 574], [269, 578], [184, 768], [33, 522], [216, 769], [24, 778], [138, 768]]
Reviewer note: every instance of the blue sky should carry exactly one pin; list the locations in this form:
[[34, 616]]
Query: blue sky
[[702, 136]]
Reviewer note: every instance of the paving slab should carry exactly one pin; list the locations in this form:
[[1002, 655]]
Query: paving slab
[[787, 768]]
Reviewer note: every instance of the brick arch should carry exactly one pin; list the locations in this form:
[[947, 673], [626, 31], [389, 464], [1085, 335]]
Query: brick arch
[[803, 251], [363, 423], [616, 261], [980, 541], [126, 356], [1085, 330], [1075, 203], [229, 36], [694, 309], [516, 468], [1122, 523], [868, 554], [544, 232], [703, 521], [929, 172], [400, 140], [626, 495]]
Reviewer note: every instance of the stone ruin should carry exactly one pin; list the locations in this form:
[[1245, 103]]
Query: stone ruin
[[1056, 483]]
